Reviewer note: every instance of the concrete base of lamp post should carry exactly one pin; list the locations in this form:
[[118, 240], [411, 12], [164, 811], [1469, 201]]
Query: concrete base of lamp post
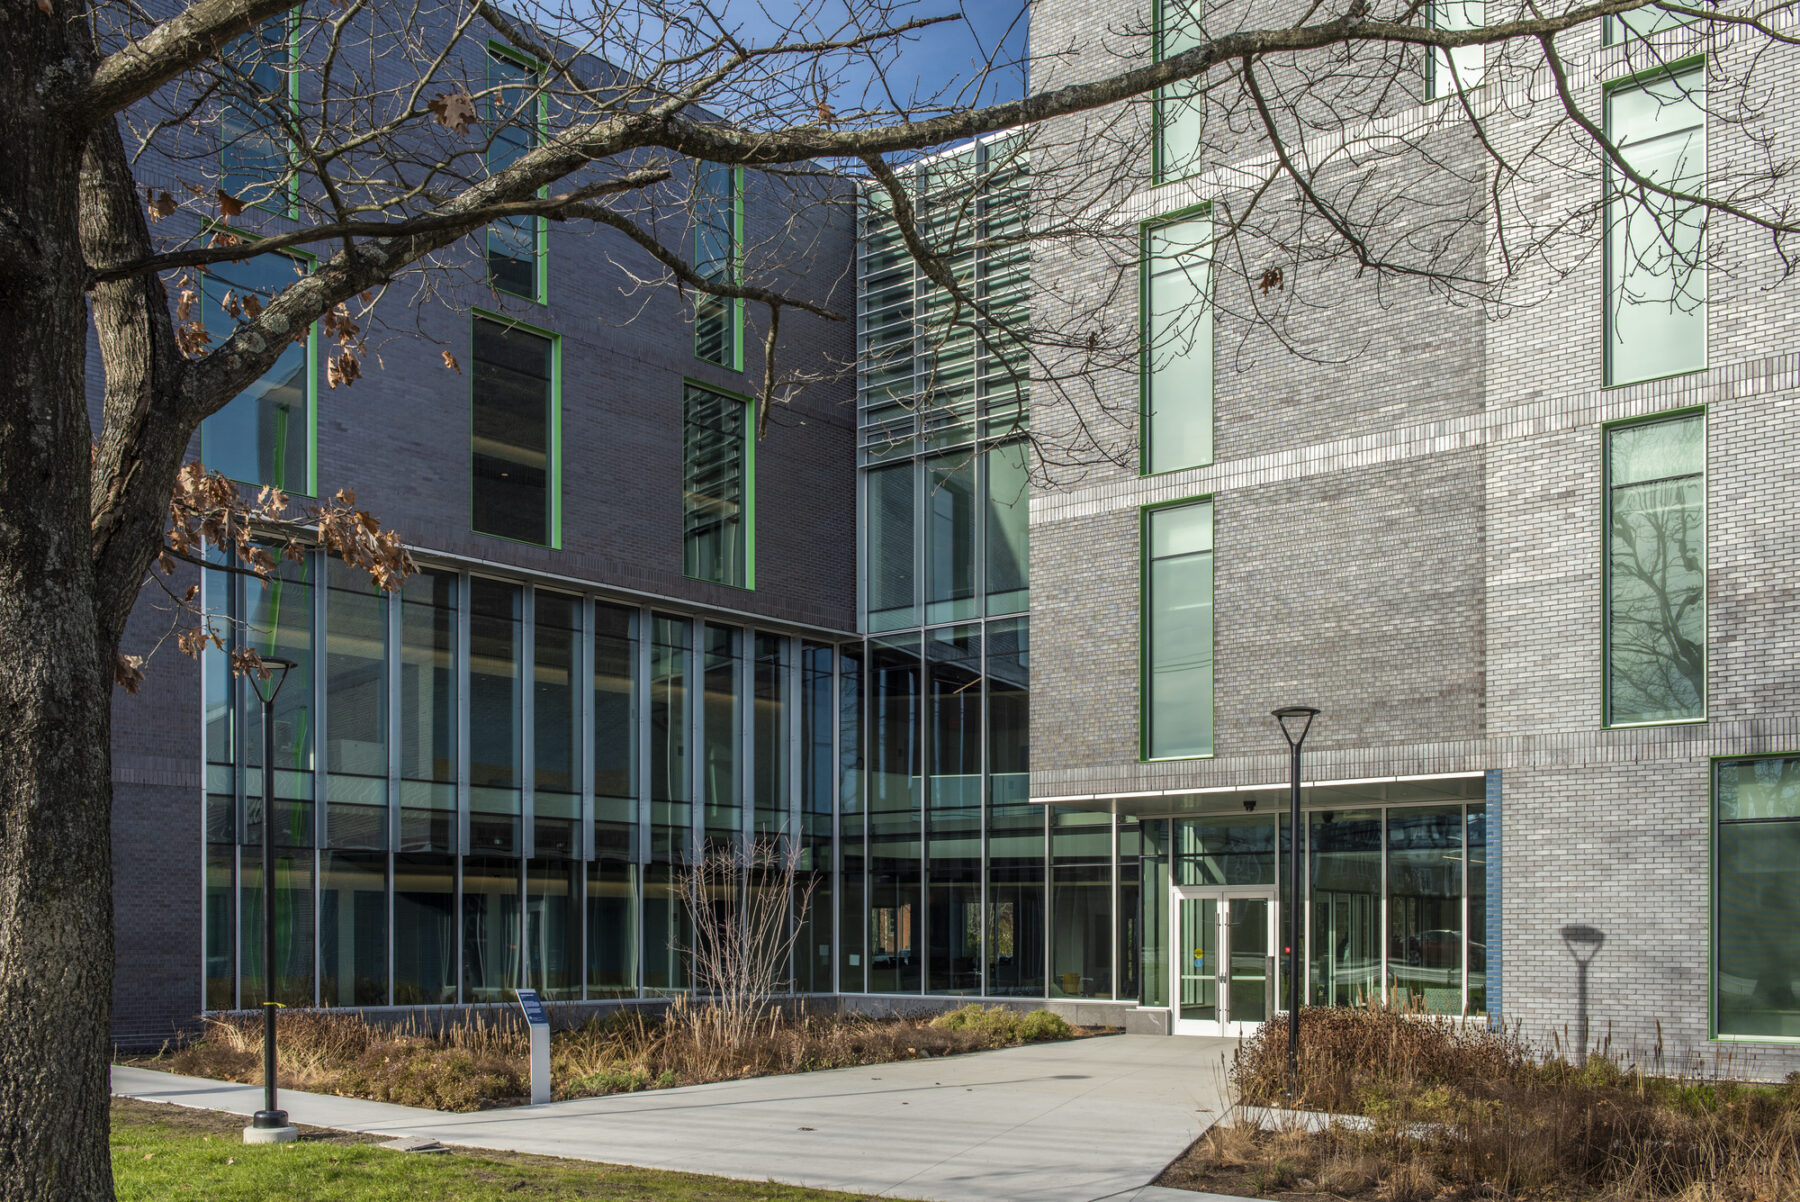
[[271, 1135]]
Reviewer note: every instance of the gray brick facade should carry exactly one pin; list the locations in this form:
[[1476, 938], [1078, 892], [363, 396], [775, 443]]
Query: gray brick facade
[[1408, 515]]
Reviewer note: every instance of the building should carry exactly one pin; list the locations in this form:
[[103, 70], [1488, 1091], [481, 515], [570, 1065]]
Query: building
[[1021, 731]]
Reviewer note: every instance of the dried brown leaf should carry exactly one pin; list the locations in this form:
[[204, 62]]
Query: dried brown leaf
[[451, 363], [455, 111]]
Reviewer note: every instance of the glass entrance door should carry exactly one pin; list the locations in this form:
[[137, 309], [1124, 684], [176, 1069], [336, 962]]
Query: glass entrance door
[[1223, 959]]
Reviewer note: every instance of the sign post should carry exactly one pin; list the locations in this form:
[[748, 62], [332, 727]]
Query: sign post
[[539, 1022]]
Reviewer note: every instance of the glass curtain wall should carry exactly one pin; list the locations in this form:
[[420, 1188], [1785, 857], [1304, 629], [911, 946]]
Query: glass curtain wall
[[937, 826], [472, 825]]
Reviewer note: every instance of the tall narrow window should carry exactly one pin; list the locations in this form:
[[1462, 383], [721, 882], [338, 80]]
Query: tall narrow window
[[1178, 345], [1656, 571], [1655, 277], [263, 435], [1756, 915], [515, 469], [253, 140], [1008, 530], [718, 221], [889, 566], [1178, 631], [1179, 107], [515, 115], [428, 722], [717, 505], [1451, 71], [950, 538]]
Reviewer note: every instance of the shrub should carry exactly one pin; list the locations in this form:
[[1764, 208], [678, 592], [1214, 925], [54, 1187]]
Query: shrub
[[1041, 1025]]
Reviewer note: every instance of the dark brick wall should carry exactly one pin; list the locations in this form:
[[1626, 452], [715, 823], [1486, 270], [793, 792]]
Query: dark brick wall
[[400, 437]]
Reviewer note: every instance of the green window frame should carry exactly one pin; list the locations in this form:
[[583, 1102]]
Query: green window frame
[[718, 486], [1655, 570], [1176, 341], [1450, 71], [1655, 270], [515, 430], [517, 248], [261, 91], [1176, 672], [253, 439], [1755, 943], [718, 256], [1178, 113]]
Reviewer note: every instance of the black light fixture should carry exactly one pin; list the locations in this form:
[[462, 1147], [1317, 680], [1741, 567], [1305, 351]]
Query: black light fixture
[[1249, 805], [269, 1119], [1296, 721]]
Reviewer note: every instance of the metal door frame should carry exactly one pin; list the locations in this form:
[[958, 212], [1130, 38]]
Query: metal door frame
[[1223, 895]]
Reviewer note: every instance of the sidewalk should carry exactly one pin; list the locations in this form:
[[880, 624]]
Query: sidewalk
[[1057, 1122]]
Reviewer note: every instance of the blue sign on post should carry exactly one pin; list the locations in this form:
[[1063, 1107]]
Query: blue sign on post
[[534, 1009], [539, 1022]]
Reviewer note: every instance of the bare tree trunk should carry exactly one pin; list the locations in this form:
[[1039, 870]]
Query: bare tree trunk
[[55, 677]]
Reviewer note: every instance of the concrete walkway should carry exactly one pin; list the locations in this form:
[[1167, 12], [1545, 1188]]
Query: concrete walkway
[[1056, 1122]]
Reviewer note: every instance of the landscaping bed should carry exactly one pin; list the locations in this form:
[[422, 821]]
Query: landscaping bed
[[483, 1058], [170, 1152], [1443, 1110]]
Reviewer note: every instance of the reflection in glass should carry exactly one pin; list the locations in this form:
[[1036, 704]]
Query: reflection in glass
[[1081, 914], [769, 733], [612, 927], [818, 721], [553, 928], [615, 701], [1344, 884], [1758, 904], [953, 812], [720, 707], [221, 930], [671, 792], [715, 494], [293, 929], [353, 916], [264, 434], [889, 566], [1230, 849], [556, 727], [514, 113], [512, 377], [665, 933], [356, 705], [1655, 265], [1008, 529], [950, 538], [1178, 345], [425, 926], [1248, 998], [1016, 828], [1153, 989], [1199, 963], [1179, 626], [427, 731], [490, 912], [895, 761], [852, 830], [494, 696], [1425, 904], [1476, 878], [1656, 572]]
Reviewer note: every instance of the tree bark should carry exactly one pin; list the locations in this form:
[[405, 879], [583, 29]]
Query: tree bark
[[55, 677]]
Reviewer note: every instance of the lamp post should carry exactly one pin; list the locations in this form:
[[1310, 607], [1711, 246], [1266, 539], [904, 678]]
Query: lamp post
[[269, 1125], [1294, 718]]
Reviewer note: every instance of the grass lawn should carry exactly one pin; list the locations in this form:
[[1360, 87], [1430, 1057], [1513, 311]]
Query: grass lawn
[[171, 1152]]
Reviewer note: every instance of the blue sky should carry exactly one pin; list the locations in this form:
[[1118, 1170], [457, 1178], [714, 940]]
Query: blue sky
[[939, 62]]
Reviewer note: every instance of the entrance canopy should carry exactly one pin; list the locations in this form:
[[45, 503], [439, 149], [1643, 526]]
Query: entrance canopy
[[1314, 795]]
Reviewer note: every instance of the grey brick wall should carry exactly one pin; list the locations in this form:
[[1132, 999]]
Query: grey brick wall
[[1408, 533]]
